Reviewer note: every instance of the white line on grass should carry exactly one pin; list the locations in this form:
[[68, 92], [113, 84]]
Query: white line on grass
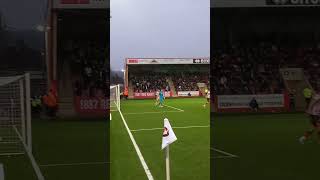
[[143, 162], [223, 152], [34, 164], [184, 127], [74, 164], [222, 157], [152, 112], [174, 108]]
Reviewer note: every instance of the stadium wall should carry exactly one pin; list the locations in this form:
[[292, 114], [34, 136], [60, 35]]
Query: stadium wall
[[89, 105], [240, 103]]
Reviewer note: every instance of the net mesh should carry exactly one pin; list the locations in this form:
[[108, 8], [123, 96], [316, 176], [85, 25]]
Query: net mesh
[[12, 112], [114, 97]]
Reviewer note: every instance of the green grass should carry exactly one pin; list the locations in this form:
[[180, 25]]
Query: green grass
[[189, 155], [266, 145], [63, 142]]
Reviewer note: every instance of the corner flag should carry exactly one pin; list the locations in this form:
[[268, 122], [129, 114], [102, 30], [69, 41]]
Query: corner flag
[[168, 135]]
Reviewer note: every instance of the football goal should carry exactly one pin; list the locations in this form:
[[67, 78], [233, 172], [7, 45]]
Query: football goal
[[15, 118], [115, 98]]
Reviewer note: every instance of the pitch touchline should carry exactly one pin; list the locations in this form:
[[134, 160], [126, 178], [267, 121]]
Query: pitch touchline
[[74, 164], [136, 147], [183, 127]]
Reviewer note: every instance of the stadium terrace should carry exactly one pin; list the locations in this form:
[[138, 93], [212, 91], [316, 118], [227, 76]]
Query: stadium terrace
[[178, 77]]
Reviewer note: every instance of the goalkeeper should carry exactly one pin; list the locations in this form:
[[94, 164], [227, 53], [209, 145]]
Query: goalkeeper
[[161, 98]]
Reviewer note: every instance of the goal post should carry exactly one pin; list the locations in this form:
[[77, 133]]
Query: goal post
[[115, 98], [15, 118], [15, 114]]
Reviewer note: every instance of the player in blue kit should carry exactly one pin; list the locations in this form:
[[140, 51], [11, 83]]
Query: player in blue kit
[[161, 98]]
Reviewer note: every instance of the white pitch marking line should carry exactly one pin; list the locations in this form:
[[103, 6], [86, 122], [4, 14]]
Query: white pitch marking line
[[34, 164], [223, 152], [74, 164], [185, 127], [222, 157], [136, 147], [174, 108], [151, 112]]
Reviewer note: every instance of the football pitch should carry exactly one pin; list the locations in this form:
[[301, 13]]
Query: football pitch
[[64, 149], [189, 155], [262, 146]]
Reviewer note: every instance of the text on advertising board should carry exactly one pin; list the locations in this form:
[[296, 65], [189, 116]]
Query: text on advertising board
[[293, 2]]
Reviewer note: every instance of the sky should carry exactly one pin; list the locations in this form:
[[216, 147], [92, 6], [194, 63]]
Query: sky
[[159, 28], [23, 14]]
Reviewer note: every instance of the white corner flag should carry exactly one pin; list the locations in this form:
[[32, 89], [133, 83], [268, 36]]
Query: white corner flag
[[168, 137]]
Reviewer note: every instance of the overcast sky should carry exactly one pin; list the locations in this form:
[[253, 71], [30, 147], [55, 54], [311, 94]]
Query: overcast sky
[[23, 14], [159, 28]]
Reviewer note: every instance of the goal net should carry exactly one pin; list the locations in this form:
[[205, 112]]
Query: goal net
[[15, 115], [15, 118], [115, 98]]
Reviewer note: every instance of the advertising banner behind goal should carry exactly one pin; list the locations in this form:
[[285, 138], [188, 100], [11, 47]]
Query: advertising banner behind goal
[[188, 93], [239, 103], [149, 95]]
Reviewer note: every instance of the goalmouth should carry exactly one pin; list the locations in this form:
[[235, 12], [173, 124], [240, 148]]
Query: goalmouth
[[15, 118], [115, 98]]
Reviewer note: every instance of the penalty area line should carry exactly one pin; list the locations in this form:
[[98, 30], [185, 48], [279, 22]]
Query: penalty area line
[[183, 127], [181, 110]]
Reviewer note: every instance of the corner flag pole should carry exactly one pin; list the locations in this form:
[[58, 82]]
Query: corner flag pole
[[168, 137], [167, 163]]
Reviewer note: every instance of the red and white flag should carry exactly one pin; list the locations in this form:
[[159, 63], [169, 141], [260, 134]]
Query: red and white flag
[[168, 135]]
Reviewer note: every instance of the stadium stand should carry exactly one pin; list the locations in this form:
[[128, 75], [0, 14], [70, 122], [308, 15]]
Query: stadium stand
[[86, 61], [187, 81], [150, 82], [182, 81], [255, 69]]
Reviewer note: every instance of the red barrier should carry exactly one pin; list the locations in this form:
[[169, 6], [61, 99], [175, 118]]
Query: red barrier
[[149, 95]]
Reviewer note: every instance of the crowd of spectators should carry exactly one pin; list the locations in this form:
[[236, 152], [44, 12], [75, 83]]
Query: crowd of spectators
[[310, 62], [150, 82], [187, 81], [253, 69], [183, 81], [87, 60]]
